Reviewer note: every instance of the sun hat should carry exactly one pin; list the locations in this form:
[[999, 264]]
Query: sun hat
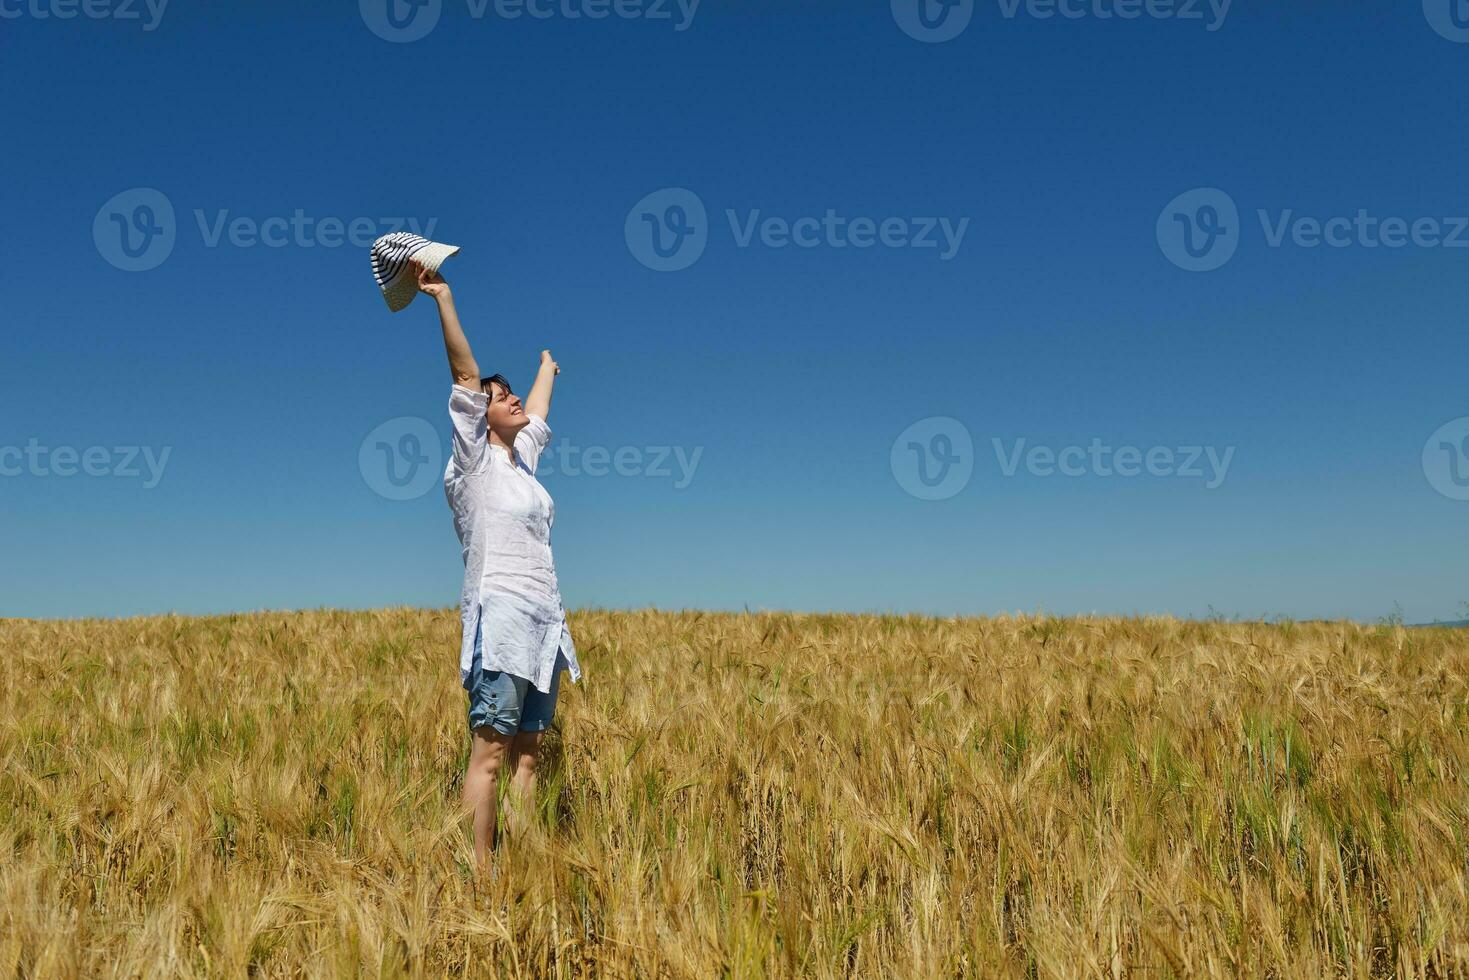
[[393, 270]]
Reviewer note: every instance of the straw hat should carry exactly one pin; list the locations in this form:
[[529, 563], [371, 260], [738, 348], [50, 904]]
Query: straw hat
[[393, 270]]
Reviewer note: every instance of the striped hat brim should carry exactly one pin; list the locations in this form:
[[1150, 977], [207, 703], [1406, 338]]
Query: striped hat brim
[[393, 260]]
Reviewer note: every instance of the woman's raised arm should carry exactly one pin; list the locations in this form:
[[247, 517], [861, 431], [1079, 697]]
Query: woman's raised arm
[[461, 359], [538, 402]]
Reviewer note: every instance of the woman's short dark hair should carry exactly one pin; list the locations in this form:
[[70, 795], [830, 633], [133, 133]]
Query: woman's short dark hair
[[499, 379]]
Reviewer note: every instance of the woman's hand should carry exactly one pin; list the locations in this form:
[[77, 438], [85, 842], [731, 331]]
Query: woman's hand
[[547, 362], [431, 282]]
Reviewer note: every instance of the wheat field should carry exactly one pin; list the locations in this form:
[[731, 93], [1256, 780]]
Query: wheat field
[[741, 795]]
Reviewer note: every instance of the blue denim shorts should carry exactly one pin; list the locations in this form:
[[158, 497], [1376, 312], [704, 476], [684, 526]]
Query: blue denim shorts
[[507, 703]]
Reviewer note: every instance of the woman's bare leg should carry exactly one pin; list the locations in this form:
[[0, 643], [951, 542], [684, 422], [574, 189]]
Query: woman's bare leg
[[524, 753], [480, 784]]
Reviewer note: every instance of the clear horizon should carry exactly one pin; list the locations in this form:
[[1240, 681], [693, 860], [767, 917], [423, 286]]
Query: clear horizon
[[1216, 616]]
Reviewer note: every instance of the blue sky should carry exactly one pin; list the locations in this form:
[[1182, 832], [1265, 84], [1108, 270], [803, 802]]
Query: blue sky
[[810, 390]]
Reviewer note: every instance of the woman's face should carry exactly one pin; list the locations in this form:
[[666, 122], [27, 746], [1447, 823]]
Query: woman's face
[[504, 411]]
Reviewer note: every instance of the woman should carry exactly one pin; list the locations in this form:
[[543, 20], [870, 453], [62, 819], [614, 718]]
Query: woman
[[515, 641]]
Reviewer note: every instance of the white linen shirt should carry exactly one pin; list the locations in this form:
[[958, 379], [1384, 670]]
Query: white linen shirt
[[503, 517]]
